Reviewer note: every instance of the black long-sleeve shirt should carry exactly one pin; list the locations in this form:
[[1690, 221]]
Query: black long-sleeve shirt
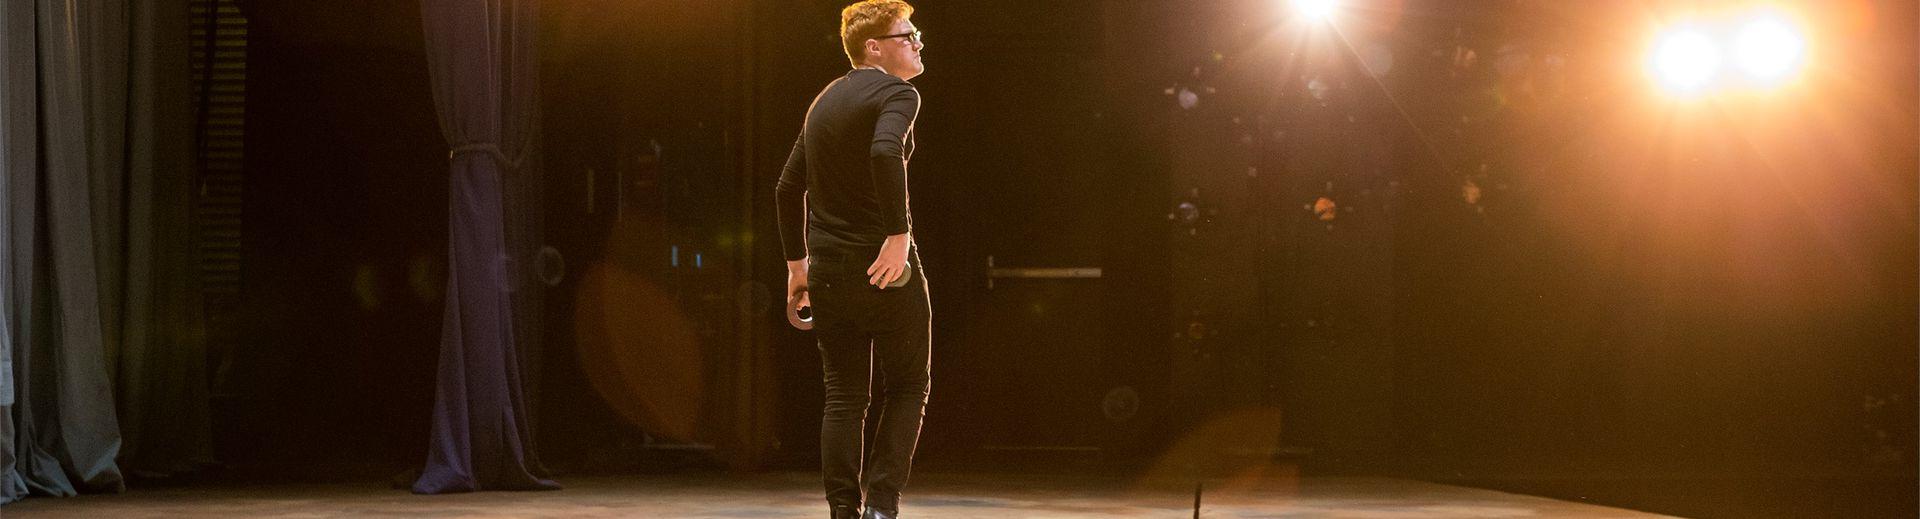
[[844, 188]]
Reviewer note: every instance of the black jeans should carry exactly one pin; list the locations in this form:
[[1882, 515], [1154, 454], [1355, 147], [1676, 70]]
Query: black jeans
[[861, 327]]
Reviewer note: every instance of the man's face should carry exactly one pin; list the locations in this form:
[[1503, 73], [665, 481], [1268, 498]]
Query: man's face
[[899, 55]]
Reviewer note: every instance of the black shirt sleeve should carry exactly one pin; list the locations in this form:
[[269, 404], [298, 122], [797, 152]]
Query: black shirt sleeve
[[790, 203], [889, 155]]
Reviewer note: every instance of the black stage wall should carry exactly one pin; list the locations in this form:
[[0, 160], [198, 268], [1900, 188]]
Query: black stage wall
[[344, 242]]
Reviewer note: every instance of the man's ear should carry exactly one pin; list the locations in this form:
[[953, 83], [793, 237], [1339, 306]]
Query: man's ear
[[873, 48]]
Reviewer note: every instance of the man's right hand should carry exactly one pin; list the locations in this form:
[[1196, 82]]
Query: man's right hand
[[798, 296]]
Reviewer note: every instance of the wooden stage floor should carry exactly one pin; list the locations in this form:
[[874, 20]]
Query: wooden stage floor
[[930, 496]]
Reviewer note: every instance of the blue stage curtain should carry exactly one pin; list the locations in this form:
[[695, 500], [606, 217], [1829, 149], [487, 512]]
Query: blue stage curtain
[[484, 73]]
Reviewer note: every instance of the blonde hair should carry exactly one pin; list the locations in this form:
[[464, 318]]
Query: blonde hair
[[866, 20]]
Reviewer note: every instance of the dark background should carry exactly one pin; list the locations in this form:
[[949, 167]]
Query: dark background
[[1696, 311]]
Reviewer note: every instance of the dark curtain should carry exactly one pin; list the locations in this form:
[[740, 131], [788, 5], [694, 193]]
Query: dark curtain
[[481, 57], [99, 298], [157, 336]]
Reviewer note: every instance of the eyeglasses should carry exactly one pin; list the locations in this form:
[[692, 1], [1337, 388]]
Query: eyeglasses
[[912, 37]]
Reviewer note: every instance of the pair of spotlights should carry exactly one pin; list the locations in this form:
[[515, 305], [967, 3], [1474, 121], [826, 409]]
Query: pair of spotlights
[[1762, 49]]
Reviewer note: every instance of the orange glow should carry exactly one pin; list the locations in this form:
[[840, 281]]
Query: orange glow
[[640, 351]]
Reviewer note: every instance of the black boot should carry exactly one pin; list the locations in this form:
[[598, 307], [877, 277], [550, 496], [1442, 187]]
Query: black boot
[[845, 512], [875, 513]]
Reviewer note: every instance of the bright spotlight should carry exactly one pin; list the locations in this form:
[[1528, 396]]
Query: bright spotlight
[[1685, 61], [1769, 49], [1317, 10]]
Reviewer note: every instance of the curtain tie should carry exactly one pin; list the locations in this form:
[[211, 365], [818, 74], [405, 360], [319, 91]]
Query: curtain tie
[[488, 148]]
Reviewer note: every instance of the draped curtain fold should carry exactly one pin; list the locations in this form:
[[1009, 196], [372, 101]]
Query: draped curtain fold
[[162, 386], [480, 55], [99, 296]]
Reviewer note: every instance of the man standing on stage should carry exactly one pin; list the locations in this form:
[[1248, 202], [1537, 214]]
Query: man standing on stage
[[847, 235]]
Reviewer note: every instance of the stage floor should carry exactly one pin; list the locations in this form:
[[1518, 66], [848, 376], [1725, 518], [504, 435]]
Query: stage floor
[[796, 495]]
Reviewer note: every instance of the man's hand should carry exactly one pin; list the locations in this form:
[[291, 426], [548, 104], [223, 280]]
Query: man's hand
[[797, 292], [892, 262]]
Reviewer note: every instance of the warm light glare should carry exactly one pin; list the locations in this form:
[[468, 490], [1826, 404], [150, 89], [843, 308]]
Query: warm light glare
[[1769, 49], [1759, 49], [1685, 61], [1320, 10]]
